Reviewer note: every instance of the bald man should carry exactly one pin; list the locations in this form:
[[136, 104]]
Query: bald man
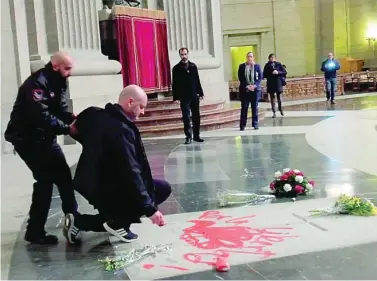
[[113, 171], [39, 114]]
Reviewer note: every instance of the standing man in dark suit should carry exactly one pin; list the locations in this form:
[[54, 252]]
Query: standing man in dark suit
[[330, 67], [275, 74], [250, 77], [187, 90], [40, 113]]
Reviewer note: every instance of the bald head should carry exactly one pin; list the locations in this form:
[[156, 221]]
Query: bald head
[[62, 63], [133, 100], [330, 56]]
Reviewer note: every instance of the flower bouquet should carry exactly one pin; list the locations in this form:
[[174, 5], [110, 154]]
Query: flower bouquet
[[127, 258], [290, 183], [234, 197], [349, 205]]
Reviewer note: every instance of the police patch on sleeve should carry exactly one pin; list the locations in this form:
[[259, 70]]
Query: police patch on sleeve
[[37, 94]]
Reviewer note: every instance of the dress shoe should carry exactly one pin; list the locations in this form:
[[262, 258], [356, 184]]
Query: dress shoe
[[274, 115], [256, 128], [281, 113], [188, 141], [242, 129], [44, 239], [198, 139], [333, 102]]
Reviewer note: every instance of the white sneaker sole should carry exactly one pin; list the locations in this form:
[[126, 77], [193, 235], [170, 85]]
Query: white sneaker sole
[[113, 232], [69, 229]]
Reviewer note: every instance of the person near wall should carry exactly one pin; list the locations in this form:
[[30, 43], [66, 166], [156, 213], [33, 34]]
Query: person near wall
[[40, 113], [330, 66], [187, 90], [275, 74], [250, 77], [113, 171]]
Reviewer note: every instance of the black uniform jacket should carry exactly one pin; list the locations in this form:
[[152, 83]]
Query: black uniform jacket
[[113, 171], [186, 82], [40, 111], [274, 82]]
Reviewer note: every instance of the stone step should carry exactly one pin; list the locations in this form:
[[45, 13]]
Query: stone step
[[215, 123], [174, 109], [177, 118]]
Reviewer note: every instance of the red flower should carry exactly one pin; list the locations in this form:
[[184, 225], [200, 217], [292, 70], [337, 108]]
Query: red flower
[[291, 173], [299, 189], [272, 186], [312, 183], [284, 177], [299, 174]]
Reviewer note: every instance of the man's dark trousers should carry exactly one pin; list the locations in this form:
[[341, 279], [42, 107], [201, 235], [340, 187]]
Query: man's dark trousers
[[193, 105], [248, 98], [272, 99], [95, 222], [330, 88], [47, 162]]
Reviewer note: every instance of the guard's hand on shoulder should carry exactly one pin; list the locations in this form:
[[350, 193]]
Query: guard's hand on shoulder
[[72, 129]]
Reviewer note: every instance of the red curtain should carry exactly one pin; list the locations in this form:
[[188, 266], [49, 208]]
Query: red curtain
[[143, 48]]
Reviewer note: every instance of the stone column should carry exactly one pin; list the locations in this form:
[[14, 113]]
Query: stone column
[[196, 24], [325, 17], [15, 66]]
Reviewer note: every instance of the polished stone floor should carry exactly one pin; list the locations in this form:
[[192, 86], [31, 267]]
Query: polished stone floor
[[246, 163], [353, 103]]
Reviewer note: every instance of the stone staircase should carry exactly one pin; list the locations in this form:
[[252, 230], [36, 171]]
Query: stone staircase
[[164, 118]]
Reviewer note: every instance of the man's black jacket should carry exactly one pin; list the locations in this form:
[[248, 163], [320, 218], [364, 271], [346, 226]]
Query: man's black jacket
[[113, 171], [274, 82], [186, 82], [40, 110]]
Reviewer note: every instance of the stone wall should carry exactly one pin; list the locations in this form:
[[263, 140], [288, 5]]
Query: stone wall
[[283, 27], [301, 33], [363, 14]]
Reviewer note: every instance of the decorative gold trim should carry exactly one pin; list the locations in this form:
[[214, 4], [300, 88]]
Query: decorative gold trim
[[138, 12]]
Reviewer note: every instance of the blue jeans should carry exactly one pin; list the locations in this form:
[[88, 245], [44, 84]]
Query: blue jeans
[[330, 88]]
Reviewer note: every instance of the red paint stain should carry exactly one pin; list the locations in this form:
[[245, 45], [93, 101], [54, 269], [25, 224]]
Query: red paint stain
[[148, 266], [232, 237], [175, 267]]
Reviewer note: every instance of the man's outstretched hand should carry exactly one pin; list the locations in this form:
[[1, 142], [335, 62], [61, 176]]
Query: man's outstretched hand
[[157, 219], [73, 130]]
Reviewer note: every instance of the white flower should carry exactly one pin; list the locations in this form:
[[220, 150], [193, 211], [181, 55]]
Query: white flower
[[299, 179], [277, 174], [287, 187], [296, 171], [309, 186], [286, 170]]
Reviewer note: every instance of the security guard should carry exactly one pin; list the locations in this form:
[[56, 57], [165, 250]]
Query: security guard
[[39, 114]]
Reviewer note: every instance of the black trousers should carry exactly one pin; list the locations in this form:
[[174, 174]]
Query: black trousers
[[248, 98], [192, 105], [272, 99], [94, 223], [49, 166]]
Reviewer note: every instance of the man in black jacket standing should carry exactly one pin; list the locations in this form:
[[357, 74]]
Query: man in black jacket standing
[[275, 74], [113, 171], [187, 90], [39, 114]]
